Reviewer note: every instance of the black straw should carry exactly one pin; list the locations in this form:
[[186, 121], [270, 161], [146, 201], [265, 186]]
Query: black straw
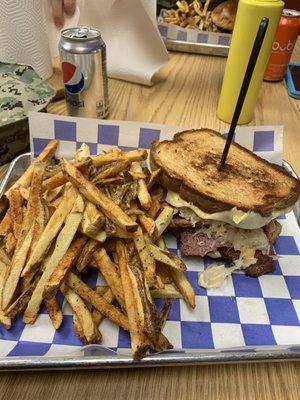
[[245, 85]]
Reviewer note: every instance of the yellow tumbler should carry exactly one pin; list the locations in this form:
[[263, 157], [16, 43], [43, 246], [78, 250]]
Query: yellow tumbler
[[248, 18]]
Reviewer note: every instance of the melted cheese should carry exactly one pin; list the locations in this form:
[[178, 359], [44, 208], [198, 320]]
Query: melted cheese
[[234, 216], [214, 276]]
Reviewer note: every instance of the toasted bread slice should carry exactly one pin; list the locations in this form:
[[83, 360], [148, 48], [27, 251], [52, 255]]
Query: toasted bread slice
[[189, 166]]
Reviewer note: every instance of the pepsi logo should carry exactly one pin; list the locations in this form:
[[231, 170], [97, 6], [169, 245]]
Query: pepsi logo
[[72, 77]]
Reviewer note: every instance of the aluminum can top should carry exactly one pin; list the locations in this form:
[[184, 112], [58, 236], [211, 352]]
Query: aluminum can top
[[81, 40]]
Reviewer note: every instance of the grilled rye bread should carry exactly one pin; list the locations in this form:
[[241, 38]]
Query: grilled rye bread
[[189, 166]]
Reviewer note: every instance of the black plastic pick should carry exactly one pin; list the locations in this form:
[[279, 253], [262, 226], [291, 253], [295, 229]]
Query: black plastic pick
[[245, 85]]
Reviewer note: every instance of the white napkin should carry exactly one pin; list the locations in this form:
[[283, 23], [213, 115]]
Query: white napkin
[[135, 50], [23, 38]]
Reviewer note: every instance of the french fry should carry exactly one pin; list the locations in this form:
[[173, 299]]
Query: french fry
[[91, 227], [111, 171], [4, 319], [108, 295], [78, 329], [110, 273], [45, 156], [184, 287], [99, 237], [52, 228], [143, 194], [83, 314], [114, 256], [26, 235], [24, 192], [55, 203], [83, 152], [107, 181], [6, 224], [109, 227], [93, 264], [146, 258], [165, 257], [134, 212], [60, 179], [122, 193], [163, 220], [86, 226], [137, 175], [121, 234], [58, 218], [169, 291], [4, 257], [41, 216], [160, 242], [148, 224], [88, 294], [54, 312], [19, 305], [52, 170], [163, 344], [64, 266], [9, 244], [163, 273], [39, 223], [163, 316], [153, 178], [153, 210], [63, 242], [134, 308], [115, 150], [86, 254], [53, 194], [15, 205], [104, 159], [95, 216], [102, 289], [109, 208], [17, 264], [54, 182], [182, 283]]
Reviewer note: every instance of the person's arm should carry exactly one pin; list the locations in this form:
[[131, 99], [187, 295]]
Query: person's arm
[[59, 8]]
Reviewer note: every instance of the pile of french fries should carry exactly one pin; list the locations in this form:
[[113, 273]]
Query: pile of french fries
[[193, 15], [105, 212]]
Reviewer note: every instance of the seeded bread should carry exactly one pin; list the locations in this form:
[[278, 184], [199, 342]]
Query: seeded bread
[[189, 166]]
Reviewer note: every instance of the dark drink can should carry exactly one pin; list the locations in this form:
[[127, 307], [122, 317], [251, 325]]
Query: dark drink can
[[83, 61], [283, 46]]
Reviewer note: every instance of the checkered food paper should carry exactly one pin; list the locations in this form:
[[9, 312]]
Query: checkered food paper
[[244, 312], [175, 32]]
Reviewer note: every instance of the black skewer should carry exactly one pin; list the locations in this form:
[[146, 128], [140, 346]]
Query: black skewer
[[245, 85]]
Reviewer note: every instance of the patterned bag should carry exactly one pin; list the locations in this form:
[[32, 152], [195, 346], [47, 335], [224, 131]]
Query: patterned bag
[[21, 90]]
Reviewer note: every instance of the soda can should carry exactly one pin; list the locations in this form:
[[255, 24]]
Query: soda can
[[283, 46], [83, 62]]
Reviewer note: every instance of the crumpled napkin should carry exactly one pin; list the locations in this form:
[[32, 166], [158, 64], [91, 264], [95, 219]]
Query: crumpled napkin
[[135, 50]]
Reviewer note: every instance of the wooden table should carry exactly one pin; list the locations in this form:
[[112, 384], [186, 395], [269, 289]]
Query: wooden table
[[186, 94]]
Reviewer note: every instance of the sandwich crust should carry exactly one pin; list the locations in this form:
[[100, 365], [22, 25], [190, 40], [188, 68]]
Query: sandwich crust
[[189, 166]]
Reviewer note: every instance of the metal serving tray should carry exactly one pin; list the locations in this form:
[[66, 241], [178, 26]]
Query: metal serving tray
[[197, 48], [196, 41], [96, 356]]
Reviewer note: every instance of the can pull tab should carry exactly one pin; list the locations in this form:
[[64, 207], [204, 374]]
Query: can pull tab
[[81, 33]]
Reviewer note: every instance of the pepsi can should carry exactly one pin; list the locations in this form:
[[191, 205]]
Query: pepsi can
[[83, 61]]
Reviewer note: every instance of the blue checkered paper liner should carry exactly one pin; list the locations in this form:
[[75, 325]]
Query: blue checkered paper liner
[[257, 313], [175, 32]]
